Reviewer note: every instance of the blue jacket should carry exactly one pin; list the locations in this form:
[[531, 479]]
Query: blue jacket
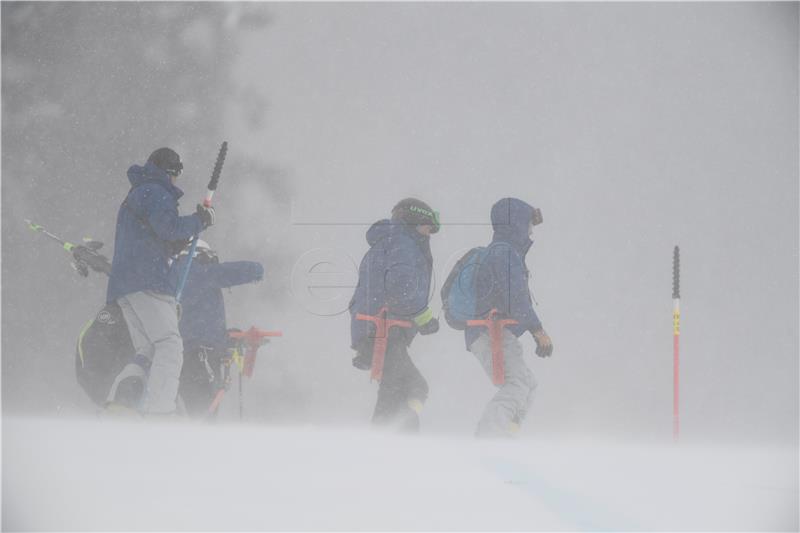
[[147, 227], [502, 277], [202, 304], [396, 272]]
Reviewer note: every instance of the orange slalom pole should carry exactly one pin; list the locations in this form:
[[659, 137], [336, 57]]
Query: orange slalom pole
[[495, 327], [676, 334], [253, 340], [381, 341]]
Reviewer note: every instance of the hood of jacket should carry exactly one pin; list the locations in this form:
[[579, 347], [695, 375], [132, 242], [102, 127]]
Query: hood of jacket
[[511, 218], [150, 172], [379, 231]]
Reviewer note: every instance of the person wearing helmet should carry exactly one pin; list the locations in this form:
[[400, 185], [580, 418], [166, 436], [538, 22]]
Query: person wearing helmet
[[202, 323], [148, 231], [395, 275]]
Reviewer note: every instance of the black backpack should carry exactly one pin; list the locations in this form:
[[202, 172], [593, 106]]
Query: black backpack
[[104, 348]]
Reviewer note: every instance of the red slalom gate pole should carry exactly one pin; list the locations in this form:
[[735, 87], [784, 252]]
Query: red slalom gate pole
[[676, 334], [381, 341], [495, 327], [253, 339]]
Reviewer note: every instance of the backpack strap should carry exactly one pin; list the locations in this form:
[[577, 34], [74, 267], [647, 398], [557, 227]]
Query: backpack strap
[[127, 205], [142, 220]]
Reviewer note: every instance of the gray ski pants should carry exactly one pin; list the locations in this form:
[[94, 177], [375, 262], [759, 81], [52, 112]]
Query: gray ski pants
[[507, 409], [152, 320]]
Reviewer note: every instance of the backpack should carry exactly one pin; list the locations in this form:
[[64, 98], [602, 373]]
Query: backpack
[[104, 348], [459, 293]]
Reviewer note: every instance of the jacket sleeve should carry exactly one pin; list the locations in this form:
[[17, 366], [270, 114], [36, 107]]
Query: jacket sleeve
[[161, 212], [513, 295], [228, 274], [405, 283]]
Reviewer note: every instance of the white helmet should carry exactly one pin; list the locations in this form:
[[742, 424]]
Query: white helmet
[[202, 250]]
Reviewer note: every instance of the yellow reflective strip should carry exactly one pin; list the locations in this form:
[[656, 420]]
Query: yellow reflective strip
[[676, 323], [238, 359], [80, 339], [424, 317], [416, 405]]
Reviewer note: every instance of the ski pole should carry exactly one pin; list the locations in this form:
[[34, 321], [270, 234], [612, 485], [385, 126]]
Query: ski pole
[[85, 255], [224, 382], [212, 186], [40, 229], [253, 338], [212, 409], [241, 399], [676, 333]]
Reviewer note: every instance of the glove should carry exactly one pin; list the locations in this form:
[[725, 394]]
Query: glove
[[206, 215], [363, 358], [176, 247], [430, 327], [363, 361], [81, 267], [232, 344], [544, 346], [426, 323]]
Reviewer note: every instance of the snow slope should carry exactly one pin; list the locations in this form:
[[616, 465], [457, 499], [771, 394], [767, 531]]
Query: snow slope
[[112, 475]]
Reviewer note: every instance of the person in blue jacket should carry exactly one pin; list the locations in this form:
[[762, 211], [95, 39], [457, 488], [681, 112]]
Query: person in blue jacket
[[502, 283], [149, 233], [202, 323], [396, 273]]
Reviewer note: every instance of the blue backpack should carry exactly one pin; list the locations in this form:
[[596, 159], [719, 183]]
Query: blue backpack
[[459, 293]]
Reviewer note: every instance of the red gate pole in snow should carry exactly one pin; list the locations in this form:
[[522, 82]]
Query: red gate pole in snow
[[676, 334]]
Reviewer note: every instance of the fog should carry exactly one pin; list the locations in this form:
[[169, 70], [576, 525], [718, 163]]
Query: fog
[[634, 127], [244, 478]]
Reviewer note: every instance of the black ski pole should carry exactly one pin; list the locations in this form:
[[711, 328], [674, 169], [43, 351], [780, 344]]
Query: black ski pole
[[212, 186]]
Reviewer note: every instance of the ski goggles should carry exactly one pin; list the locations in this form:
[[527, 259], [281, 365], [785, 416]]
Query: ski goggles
[[176, 170], [537, 218], [436, 223], [432, 216]]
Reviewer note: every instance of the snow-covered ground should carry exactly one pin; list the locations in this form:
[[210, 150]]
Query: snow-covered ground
[[111, 475]]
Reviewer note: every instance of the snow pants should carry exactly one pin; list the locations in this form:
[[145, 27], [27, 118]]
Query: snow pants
[[152, 320], [507, 409], [402, 391], [201, 367]]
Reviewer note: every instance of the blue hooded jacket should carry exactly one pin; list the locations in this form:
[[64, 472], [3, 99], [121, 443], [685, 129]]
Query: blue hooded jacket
[[395, 272], [147, 226], [202, 303], [502, 277]]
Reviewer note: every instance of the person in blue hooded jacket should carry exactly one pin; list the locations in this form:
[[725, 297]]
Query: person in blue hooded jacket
[[396, 273], [149, 233], [202, 324], [501, 283]]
